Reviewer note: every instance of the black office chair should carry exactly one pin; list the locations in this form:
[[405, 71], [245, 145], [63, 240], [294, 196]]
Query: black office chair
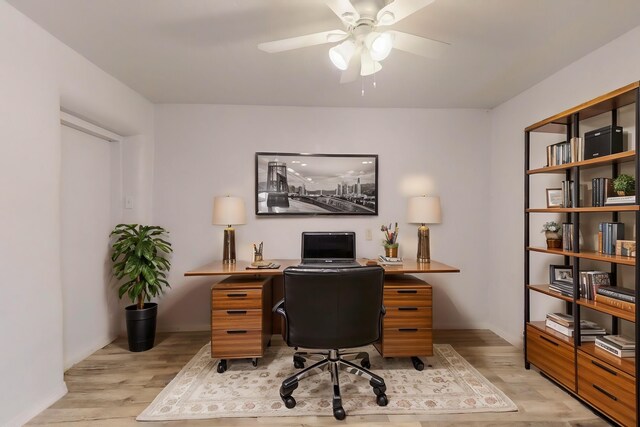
[[332, 309]]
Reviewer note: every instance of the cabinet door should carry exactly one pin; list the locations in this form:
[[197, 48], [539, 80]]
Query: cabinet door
[[552, 356]]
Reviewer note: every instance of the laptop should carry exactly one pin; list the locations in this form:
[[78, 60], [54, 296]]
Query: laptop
[[322, 249]]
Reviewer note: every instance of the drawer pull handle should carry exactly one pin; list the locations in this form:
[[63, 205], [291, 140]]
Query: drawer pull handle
[[606, 393], [604, 368], [236, 295], [408, 329], [236, 332], [236, 311], [407, 308], [549, 341], [408, 291]]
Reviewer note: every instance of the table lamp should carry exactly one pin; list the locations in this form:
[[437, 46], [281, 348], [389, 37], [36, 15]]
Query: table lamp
[[424, 210], [228, 211]]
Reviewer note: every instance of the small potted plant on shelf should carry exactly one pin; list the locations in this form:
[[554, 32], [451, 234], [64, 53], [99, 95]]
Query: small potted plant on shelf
[[551, 231], [390, 241], [624, 185], [139, 256]]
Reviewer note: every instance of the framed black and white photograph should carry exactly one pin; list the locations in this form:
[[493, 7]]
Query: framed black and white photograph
[[554, 197], [316, 184], [560, 274]]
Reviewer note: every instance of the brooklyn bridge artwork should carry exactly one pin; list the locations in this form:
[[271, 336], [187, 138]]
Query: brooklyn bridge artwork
[[316, 184]]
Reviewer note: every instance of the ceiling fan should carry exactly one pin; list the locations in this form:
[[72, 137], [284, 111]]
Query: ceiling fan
[[364, 43]]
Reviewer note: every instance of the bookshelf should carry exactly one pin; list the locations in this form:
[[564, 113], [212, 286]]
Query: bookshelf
[[603, 381]]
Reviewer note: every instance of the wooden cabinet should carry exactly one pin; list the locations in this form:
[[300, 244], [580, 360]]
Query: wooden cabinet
[[240, 318], [407, 324], [605, 382]]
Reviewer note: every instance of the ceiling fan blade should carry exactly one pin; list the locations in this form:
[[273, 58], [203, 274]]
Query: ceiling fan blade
[[369, 66], [353, 71], [418, 45], [303, 41], [400, 9], [344, 9]]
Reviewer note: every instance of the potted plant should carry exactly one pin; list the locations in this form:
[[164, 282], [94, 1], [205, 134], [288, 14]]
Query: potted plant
[[390, 241], [139, 256], [551, 231], [624, 185]]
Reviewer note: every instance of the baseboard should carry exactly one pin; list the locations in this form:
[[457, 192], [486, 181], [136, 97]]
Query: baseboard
[[514, 340], [36, 408], [68, 364]]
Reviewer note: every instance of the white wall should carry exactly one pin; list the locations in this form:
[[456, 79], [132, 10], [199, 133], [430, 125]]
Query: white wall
[[205, 150], [610, 67], [38, 75]]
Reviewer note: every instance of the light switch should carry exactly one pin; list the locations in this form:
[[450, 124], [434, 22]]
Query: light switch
[[128, 202], [368, 234]]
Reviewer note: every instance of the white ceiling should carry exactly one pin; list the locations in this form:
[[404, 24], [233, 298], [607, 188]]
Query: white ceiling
[[204, 51]]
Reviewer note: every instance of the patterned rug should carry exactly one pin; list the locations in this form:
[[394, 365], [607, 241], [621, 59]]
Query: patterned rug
[[449, 385]]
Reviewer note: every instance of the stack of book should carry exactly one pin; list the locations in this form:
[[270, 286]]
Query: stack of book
[[564, 324], [590, 281], [620, 200], [608, 235], [622, 298], [617, 345], [563, 286], [601, 191]]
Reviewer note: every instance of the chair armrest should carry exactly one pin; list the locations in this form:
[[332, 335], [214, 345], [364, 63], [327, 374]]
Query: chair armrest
[[383, 310], [279, 308]]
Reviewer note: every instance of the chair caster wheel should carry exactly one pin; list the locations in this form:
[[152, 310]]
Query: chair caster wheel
[[379, 391], [366, 364], [222, 366], [289, 402], [339, 413], [382, 400], [254, 362], [417, 363]]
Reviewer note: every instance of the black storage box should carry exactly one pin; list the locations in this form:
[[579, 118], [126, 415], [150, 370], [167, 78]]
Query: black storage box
[[602, 142]]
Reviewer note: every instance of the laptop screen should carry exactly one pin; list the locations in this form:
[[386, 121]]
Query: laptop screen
[[328, 246]]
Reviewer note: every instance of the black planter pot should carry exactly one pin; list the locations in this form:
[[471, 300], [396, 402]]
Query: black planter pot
[[141, 326]]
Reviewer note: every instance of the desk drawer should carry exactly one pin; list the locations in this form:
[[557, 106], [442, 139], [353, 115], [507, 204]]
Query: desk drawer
[[236, 319], [407, 342], [236, 299], [410, 296], [607, 388], [407, 317], [552, 356], [236, 343]]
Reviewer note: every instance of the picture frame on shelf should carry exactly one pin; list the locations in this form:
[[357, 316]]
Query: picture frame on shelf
[[560, 274], [626, 248], [554, 197]]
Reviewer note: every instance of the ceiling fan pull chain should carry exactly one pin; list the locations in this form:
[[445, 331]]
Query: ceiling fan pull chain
[[362, 86], [374, 80]]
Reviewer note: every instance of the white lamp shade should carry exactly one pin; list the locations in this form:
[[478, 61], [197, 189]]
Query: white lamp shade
[[228, 210], [379, 45], [424, 210], [341, 55]]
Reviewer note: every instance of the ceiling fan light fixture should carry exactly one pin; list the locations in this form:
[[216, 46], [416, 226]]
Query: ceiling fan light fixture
[[386, 18], [341, 54], [380, 45]]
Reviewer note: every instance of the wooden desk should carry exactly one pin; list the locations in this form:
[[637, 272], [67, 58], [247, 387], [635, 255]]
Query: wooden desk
[[406, 328]]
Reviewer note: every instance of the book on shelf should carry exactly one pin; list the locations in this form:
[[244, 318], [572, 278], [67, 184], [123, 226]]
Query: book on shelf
[[616, 292], [612, 345], [590, 281], [601, 191], [620, 342], [565, 289], [617, 303], [586, 328], [567, 236], [620, 200], [561, 318], [608, 235], [565, 152], [568, 196]]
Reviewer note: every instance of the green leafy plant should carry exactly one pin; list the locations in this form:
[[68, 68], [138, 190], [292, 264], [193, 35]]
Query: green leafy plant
[[624, 184], [139, 254]]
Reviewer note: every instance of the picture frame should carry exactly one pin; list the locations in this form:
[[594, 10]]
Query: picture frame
[[561, 274], [316, 184], [554, 197], [626, 248]]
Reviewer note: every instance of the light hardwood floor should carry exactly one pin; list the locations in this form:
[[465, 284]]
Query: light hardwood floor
[[112, 386]]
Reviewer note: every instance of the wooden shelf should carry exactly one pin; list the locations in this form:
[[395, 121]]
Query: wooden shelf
[[602, 104], [625, 156], [544, 289], [608, 309], [625, 364], [541, 326], [619, 208], [596, 256]]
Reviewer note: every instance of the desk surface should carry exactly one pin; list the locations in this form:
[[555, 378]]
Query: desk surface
[[217, 268]]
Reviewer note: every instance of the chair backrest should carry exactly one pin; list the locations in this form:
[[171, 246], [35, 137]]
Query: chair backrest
[[333, 308]]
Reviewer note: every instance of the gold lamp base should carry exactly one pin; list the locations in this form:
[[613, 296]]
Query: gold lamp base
[[424, 252], [229, 246]]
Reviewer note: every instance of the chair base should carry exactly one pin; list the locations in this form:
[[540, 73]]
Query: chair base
[[333, 362]]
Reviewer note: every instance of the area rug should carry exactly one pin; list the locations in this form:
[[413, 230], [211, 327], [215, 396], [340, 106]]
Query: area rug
[[448, 384]]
